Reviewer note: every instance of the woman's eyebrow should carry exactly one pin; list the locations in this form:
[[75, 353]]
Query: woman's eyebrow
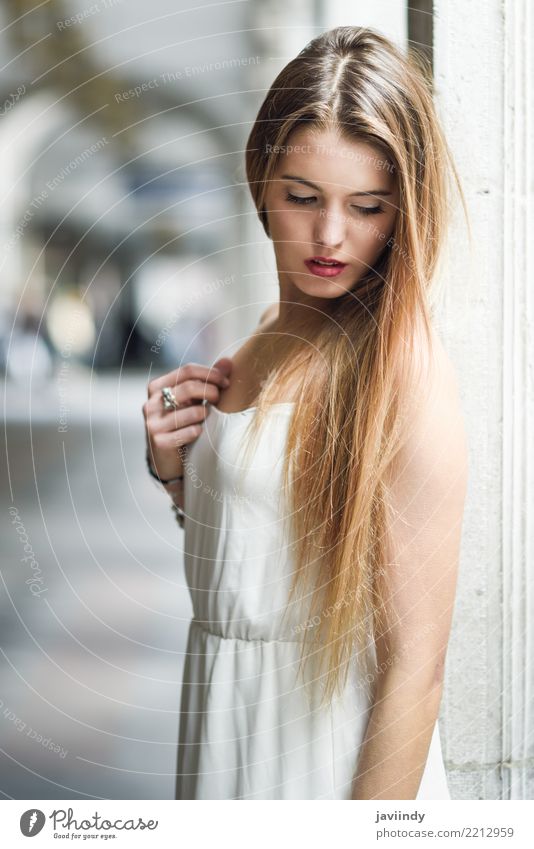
[[377, 192]]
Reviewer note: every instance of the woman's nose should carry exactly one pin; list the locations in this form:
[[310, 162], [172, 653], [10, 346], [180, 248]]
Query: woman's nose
[[330, 228]]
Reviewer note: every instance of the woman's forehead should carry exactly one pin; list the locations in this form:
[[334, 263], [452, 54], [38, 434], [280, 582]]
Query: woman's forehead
[[327, 157]]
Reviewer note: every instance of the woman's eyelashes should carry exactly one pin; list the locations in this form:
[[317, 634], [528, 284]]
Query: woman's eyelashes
[[364, 210], [297, 199]]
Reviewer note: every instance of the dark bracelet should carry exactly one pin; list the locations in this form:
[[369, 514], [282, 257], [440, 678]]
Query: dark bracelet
[[157, 477]]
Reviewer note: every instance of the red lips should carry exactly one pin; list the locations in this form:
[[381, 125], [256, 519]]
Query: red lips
[[325, 259], [315, 266]]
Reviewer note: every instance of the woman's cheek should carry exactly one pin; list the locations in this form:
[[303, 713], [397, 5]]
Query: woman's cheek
[[376, 238], [366, 238], [287, 221]]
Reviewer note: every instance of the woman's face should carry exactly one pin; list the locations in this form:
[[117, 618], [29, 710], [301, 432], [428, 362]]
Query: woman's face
[[329, 198]]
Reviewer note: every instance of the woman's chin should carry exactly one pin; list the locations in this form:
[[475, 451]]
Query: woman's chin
[[320, 287]]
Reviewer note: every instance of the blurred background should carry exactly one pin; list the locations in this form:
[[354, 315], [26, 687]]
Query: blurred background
[[128, 246]]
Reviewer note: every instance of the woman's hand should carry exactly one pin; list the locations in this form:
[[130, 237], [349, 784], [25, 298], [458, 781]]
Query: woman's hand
[[168, 430]]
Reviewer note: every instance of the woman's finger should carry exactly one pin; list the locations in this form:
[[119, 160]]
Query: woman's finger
[[186, 394], [176, 419], [175, 438], [191, 371]]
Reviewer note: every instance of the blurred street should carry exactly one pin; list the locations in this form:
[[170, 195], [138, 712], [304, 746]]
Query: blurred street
[[94, 621]]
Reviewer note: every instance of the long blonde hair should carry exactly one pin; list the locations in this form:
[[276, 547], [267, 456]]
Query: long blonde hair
[[348, 422]]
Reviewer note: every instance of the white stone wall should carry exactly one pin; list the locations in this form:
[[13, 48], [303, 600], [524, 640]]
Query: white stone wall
[[482, 55]]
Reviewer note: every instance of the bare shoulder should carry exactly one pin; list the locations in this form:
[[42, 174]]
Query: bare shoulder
[[267, 317], [430, 362], [440, 378], [431, 375], [425, 498], [249, 363], [435, 447], [244, 351]]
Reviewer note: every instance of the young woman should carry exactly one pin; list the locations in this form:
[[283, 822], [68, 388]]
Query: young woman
[[321, 472]]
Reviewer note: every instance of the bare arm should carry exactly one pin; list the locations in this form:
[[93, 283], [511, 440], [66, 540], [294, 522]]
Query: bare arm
[[416, 591]]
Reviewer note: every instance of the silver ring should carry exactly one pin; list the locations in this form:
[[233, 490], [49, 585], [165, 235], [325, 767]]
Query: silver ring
[[169, 401]]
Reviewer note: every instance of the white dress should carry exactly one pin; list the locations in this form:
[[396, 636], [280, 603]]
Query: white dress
[[248, 728]]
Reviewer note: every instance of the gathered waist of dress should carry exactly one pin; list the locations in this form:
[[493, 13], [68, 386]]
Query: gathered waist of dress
[[213, 631]]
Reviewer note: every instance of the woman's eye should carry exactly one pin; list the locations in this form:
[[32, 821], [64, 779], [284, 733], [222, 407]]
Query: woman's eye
[[297, 199], [363, 210], [368, 210]]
